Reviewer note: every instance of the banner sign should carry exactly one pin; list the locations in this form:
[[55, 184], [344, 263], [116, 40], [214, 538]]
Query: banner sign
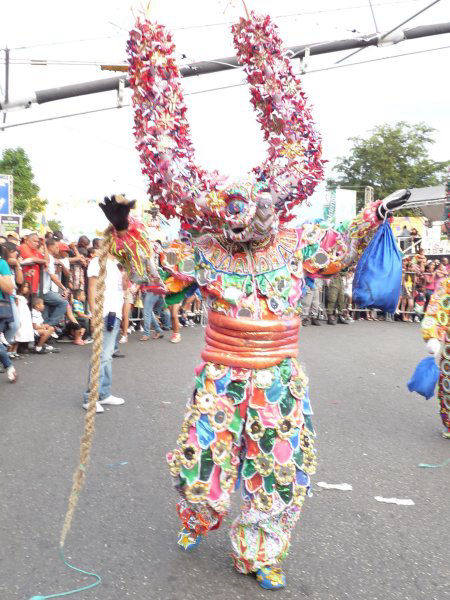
[[10, 223], [6, 194]]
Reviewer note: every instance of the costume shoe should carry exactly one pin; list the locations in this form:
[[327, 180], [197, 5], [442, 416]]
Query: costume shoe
[[187, 540], [271, 578]]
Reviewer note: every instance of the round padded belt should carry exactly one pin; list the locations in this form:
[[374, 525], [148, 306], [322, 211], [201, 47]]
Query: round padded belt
[[244, 343]]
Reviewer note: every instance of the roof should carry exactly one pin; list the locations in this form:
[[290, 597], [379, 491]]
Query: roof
[[430, 201]]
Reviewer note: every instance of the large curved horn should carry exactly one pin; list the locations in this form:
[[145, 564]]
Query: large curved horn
[[293, 166], [162, 131]]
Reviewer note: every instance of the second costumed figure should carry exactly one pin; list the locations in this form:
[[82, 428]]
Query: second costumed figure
[[249, 420]]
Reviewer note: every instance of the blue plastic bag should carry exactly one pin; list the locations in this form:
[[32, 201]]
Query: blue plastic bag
[[378, 276], [424, 378]]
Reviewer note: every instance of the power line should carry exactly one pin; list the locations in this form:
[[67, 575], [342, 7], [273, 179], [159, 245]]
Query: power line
[[385, 35], [363, 62], [225, 87], [55, 62], [44, 62], [77, 114], [66, 42], [216, 65], [300, 14], [330, 68], [189, 27], [373, 15]]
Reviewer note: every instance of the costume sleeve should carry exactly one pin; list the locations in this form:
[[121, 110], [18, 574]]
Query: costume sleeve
[[435, 322], [134, 251], [326, 250]]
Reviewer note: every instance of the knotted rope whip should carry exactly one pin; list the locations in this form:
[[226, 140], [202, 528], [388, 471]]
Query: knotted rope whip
[[79, 476]]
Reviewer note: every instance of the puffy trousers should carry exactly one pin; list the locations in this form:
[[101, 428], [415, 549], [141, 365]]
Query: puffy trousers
[[251, 427]]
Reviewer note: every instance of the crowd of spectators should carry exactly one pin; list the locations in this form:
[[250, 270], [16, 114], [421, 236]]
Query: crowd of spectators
[[331, 299], [47, 296], [45, 279]]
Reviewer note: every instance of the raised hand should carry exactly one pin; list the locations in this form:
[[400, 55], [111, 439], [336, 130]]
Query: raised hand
[[392, 202], [116, 210]]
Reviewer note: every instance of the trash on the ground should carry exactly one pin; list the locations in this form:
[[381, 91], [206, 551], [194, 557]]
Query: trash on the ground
[[118, 464], [343, 487], [166, 402], [427, 466], [399, 501]]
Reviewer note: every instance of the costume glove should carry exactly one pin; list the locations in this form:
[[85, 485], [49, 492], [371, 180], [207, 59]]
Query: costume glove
[[116, 210], [392, 202]]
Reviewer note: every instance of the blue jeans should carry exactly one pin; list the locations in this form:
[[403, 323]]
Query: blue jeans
[[152, 303], [109, 341], [160, 311], [12, 326], [55, 308], [4, 356]]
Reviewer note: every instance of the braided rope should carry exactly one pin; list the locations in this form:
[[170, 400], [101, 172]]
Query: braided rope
[[79, 475]]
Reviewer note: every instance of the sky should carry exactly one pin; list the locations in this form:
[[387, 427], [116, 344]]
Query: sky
[[78, 160]]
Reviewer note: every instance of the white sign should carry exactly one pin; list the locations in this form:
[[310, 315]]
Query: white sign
[[345, 209]]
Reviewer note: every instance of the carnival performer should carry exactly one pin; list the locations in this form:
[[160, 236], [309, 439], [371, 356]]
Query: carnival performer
[[250, 417], [177, 284], [435, 331]]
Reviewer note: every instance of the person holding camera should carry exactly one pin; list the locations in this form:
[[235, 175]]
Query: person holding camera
[[112, 316]]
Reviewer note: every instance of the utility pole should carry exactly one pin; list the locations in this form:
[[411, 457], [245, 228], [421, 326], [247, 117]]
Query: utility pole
[[368, 195], [6, 81]]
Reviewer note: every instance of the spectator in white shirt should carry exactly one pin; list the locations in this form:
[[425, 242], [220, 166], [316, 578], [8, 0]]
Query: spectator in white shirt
[[43, 330], [53, 291], [112, 316]]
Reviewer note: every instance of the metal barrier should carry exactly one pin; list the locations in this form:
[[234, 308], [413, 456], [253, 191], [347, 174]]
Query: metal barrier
[[352, 308]]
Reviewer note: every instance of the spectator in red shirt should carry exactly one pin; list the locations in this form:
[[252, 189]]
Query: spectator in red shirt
[[33, 258]]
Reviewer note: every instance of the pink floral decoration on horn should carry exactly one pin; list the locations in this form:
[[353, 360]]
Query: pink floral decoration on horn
[[177, 184]]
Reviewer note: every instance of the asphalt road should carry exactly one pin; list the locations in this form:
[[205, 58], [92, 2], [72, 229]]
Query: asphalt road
[[371, 433]]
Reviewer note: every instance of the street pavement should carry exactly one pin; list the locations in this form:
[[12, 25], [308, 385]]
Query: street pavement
[[372, 434]]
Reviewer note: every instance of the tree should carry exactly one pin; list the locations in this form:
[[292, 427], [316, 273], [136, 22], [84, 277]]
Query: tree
[[15, 162], [392, 158], [54, 225]]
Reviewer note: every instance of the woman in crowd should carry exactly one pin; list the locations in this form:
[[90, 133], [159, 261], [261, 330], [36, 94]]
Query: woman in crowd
[[407, 301], [441, 273], [7, 287], [416, 240], [430, 281], [14, 262], [25, 333]]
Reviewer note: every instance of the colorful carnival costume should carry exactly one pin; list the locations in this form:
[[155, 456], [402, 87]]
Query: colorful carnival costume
[[435, 330], [249, 419]]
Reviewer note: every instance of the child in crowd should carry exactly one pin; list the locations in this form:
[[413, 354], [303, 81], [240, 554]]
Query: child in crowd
[[79, 311], [42, 330], [419, 304], [25, 333]]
